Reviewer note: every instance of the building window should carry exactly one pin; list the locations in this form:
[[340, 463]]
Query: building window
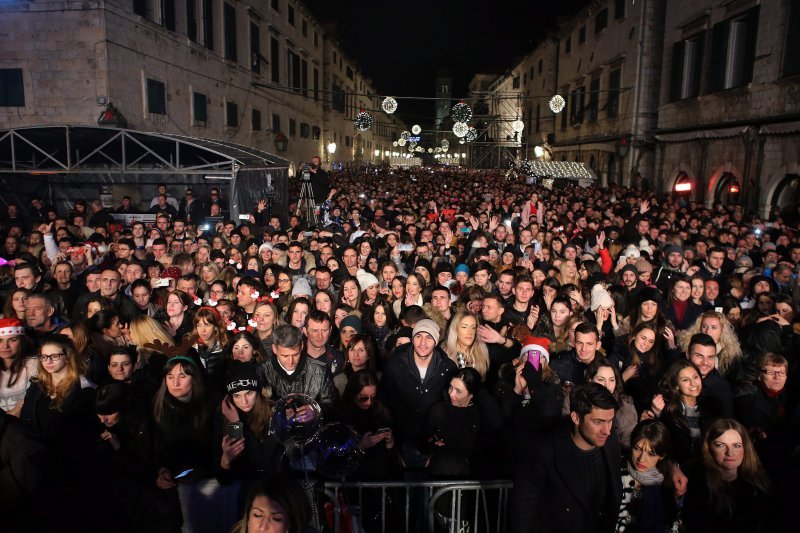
[[515, 82], [255, 48], [348, 141], [316, 39], [619, 9], [316, 133], [305, 130], [208, 24], [290, 14], [687, 63], [275, 57], [564, 113], [338, 98], [733, 51], [276, 5], [199, 107], [594, 100], [577, 108], [349, 72], [614, 81], [568, 45], [292, 127], [601, 21], [304, 27], [140, 7], [582, 35], [255, 119], [191, 20], [334, 57], [276, 123], [791, 59], [168, 14], [316, 84], [229, 21], [293, 65], [156, 97], [12, 91], [541, 63], [304, 77], [231, 115]]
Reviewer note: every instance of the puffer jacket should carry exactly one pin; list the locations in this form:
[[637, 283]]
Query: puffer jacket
[[311, 377]]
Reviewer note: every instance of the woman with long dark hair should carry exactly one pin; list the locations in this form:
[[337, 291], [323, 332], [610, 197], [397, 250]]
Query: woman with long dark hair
[[731, 491], [276, 505]]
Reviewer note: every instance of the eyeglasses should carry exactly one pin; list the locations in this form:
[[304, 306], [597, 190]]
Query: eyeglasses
[[775, 373], [284, 281], [51, 357], [365, 399]]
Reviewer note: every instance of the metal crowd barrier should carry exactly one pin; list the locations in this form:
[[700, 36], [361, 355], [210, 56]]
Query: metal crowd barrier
[[421, 507]]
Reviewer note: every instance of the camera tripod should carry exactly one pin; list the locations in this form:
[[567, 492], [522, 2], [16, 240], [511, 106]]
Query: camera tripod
[[306, 208]]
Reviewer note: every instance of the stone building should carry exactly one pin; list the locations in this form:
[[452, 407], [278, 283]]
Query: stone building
[[729, 115], [249, 73]]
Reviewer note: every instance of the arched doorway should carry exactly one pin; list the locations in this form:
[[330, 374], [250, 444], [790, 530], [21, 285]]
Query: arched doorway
[[727, 189], [787, 198], [611, 170]]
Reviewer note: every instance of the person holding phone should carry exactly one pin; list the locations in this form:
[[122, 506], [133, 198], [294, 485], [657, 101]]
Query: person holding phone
[[247, 451]]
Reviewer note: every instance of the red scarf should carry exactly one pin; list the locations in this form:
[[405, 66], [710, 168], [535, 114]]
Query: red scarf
[[680, 309]]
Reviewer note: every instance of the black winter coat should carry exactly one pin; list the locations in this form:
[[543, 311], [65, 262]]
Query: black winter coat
[[408, 397], [311, 377], [550, 493]]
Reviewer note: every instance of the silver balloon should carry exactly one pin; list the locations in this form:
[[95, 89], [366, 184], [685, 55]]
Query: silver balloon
[[296, 420], [338, 454]]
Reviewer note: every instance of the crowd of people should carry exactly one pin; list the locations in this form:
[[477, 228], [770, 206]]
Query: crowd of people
[[628, 358]]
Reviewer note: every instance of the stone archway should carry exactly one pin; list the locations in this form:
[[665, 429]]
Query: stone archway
[[771, 186], [682, 169], [720, 172]]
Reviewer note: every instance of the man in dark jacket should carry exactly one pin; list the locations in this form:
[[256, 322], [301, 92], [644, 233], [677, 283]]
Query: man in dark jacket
[[293, 371], [702, 352], [569, 480], [414, 379]]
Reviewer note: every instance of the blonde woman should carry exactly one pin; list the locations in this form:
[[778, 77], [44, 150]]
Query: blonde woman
[[717, 325], [568, 273], [463, 345], [208, 272], [267, 318]]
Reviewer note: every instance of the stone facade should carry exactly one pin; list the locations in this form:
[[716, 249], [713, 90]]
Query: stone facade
[[234, 71], [731, 119]]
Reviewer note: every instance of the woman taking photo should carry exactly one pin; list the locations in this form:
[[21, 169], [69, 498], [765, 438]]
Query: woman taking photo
[[362, 409], [464, 347], [252, 453], [17, 365], [647, 504], [182, 424], [731, 490], [641, 363], [452, 428]]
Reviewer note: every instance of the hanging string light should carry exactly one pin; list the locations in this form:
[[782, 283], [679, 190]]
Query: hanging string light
[[471, 135], [461, 112], [405, 135], [402, 141], [363, 121], [445, 144], [460, 129], [415, 129], [557, 103], [389, 105]]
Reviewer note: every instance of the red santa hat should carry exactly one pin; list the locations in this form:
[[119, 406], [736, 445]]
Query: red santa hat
[[11, 327], [540, 344]]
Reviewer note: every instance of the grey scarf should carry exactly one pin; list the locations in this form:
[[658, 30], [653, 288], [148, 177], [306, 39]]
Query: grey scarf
[[647, 478]]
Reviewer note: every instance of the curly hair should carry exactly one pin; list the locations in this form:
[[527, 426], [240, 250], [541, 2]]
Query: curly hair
[[728, 348]]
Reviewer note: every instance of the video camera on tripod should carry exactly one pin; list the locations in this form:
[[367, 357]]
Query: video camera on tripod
[[305, 172]]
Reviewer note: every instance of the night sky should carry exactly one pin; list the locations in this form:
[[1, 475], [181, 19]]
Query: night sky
[[401, 45]]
